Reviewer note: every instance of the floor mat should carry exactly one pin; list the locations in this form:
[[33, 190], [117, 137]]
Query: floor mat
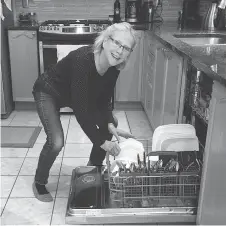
[[19, 136]]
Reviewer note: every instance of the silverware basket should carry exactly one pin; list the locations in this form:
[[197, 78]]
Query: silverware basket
[[157, 184]]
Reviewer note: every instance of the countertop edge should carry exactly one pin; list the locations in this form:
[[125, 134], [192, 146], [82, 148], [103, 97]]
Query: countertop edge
[[197, 61]]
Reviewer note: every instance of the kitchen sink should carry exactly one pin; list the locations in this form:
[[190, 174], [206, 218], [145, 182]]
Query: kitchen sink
[[202, 39]]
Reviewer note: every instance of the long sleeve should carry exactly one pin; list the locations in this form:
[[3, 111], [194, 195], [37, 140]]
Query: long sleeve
[[79, 99]]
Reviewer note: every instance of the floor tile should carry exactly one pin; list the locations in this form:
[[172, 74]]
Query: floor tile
[[139, 125], [23, 186], [122, 120], [25, 118], [69, 164], [6, 122], [41, 139], [2, 204], [65, 119], [27, 211], [76, 135], [13, 152], [63, 187], [30, 165], [11, 166], [7, 183], [58, 217], [35, 151], [78, 150]]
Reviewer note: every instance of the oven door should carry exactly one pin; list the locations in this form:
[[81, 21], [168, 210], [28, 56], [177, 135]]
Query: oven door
[[53, 47], [50, 54]]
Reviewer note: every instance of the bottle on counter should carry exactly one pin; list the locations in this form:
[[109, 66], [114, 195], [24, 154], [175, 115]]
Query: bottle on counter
[[117, 11]]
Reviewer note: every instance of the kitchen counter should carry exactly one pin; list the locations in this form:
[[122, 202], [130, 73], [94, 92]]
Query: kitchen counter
[[209, 59], [30, 28]]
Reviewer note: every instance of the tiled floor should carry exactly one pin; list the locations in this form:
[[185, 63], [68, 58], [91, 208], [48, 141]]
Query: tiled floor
[[18, 205]]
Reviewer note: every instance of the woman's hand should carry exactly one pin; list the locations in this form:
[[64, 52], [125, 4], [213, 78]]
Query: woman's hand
[[111, 147], [119, 132]]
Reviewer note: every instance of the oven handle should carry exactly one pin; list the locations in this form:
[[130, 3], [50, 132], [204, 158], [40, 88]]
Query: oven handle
[[41, 61], [45, 46]]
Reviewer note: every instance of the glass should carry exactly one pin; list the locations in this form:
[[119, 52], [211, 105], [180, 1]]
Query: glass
[[119, 45]]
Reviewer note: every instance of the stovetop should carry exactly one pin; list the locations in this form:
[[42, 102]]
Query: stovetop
[[71, 22], [73, 26]]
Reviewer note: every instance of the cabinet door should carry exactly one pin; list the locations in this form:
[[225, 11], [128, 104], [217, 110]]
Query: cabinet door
[[128, 86], [149, 101], [144, 69], [158, 89], [148, 66], [24, 63], [171, 96], [212, 199]]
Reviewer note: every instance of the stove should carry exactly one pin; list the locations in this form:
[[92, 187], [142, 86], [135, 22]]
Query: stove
[[73, 26]]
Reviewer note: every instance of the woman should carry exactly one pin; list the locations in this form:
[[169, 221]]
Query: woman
[[83, 80]]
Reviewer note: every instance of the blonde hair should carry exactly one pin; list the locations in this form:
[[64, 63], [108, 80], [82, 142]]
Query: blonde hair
[[124, 26]]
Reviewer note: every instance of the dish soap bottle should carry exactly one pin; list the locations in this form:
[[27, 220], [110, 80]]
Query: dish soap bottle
[[117, 11]]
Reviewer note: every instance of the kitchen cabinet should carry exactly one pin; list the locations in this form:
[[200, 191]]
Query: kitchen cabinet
[[149, 100], [163, 85], [23, 49], [148, 74], [172, 87], [159, 86], [128, 86], [212, 199]]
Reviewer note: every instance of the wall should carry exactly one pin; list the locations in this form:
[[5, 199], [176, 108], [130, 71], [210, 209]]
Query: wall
[[94, 9], [88, 9]]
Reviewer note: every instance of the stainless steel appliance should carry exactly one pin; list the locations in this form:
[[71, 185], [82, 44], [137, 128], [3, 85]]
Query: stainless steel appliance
[[58, 37], [6, 85], [190, 14], [215, 17], [99, 196], [132, 8]]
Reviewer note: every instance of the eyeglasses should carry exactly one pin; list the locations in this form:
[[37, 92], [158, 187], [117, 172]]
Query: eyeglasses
[[119, 45]]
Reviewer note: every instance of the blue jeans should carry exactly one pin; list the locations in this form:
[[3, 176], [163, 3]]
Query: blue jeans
[[48, 109], [49, 113]]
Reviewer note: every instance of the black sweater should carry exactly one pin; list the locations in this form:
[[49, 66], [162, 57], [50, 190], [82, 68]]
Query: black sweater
[[75, 83]]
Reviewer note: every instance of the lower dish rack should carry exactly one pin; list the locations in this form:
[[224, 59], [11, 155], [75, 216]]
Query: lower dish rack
[[167, 182]]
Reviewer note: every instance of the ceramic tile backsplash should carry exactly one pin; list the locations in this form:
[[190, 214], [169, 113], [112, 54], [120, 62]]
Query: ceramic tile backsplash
[[79, 9], [69, 9], [94, 9]]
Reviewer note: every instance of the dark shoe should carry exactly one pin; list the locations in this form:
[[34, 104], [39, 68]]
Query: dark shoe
[[90, 163], [41, 197]]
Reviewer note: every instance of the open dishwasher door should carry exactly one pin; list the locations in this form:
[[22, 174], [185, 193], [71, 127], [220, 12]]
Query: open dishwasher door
[[97, 197]]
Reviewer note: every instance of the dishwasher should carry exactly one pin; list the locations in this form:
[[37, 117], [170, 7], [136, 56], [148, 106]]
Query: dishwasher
[[141, 193]]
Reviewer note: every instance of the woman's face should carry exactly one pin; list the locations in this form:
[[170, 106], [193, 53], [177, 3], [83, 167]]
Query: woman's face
[[118, 47]]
